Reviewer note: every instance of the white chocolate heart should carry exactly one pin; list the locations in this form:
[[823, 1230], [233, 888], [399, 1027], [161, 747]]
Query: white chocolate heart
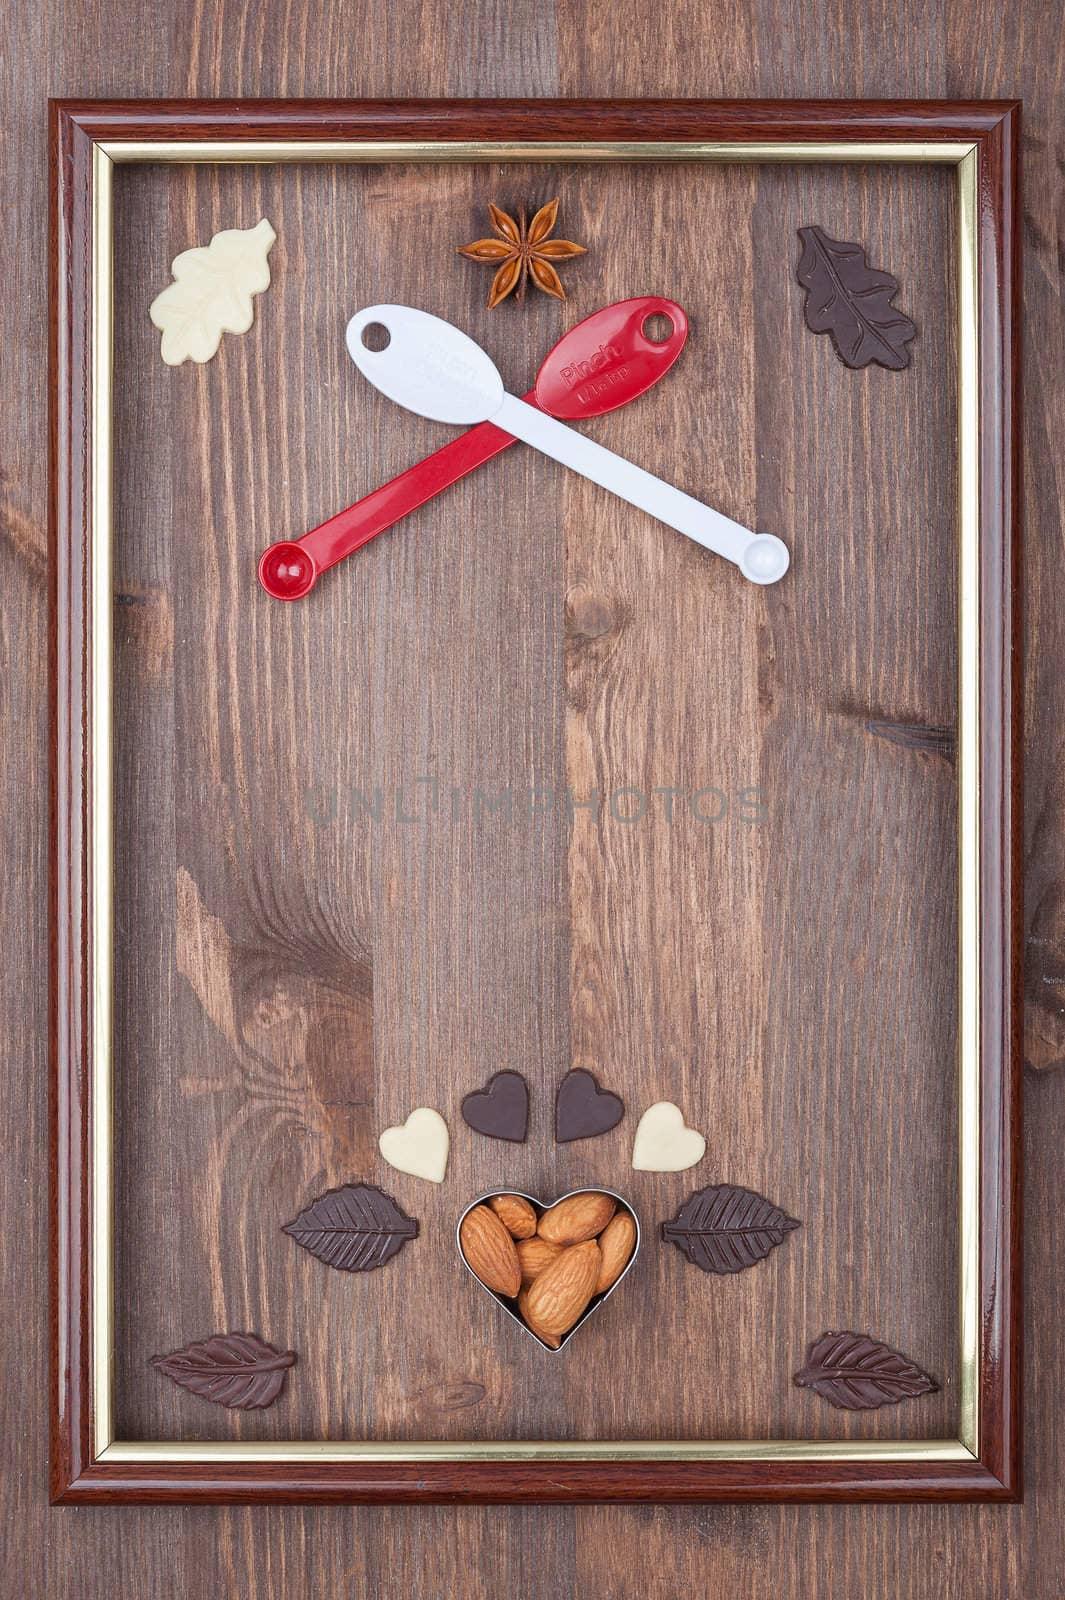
[[663, 1143], [418, 1146]]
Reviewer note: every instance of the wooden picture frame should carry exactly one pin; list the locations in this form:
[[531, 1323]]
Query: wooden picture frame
[[981, 140]]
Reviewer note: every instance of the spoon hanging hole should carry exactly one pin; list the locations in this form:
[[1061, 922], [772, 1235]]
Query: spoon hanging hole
[[376, 337], [657, 328]]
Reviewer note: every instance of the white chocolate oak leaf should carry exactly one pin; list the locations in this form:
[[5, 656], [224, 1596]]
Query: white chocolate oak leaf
[[212, 293], [418, 1146], [664, 1143]]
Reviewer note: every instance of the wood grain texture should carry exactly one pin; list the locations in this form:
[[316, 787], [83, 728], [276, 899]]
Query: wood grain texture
[[369, 910], [881, 1551]]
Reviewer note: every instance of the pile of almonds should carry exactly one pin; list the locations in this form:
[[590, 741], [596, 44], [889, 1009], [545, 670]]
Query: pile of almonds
[[552, 1262]]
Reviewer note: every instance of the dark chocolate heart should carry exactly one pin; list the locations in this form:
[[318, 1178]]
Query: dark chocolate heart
[[501, 1109], [583, 1110]]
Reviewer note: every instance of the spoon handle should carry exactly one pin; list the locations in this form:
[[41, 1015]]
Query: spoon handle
[[355, 526], [760, 557]]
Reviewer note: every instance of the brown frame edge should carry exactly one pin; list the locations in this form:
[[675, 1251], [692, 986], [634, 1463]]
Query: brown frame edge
[[523, 1482], [993, 127]]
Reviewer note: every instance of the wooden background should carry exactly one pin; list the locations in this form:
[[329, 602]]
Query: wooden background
[[296, 972], [798, 1551]]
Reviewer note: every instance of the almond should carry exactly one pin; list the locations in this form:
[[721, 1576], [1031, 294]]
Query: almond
[[577, 1218], [556, 1298], [548, 1338], [515, 1213], [615, 1247], [534, 1255], [489, 1251]]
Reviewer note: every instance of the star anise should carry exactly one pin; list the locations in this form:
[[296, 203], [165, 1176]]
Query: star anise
[[519, 252]]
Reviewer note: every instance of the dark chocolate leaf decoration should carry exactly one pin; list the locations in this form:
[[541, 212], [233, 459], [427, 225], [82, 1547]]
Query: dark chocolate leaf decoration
[[857, 1373], [726, 1228], [355, 1228], [238, 1370], [852, 302]]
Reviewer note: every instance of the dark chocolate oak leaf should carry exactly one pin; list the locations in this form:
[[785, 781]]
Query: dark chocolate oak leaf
[[238, 1370], [354, 1228], [852, 302], [857, 1373], [726, 1228]]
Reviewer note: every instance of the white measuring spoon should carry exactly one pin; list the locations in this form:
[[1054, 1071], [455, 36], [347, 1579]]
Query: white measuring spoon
[[437, 371]]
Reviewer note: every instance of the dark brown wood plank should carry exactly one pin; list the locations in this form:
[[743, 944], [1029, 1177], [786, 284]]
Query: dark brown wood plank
[[1014, 48], [873, 532], [872, 1551], [292, 999]]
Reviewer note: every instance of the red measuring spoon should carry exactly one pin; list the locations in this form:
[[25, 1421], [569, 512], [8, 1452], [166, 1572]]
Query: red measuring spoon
[[601, 364]]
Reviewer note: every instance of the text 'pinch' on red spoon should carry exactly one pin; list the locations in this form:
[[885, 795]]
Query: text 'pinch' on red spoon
[[601, 364]]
